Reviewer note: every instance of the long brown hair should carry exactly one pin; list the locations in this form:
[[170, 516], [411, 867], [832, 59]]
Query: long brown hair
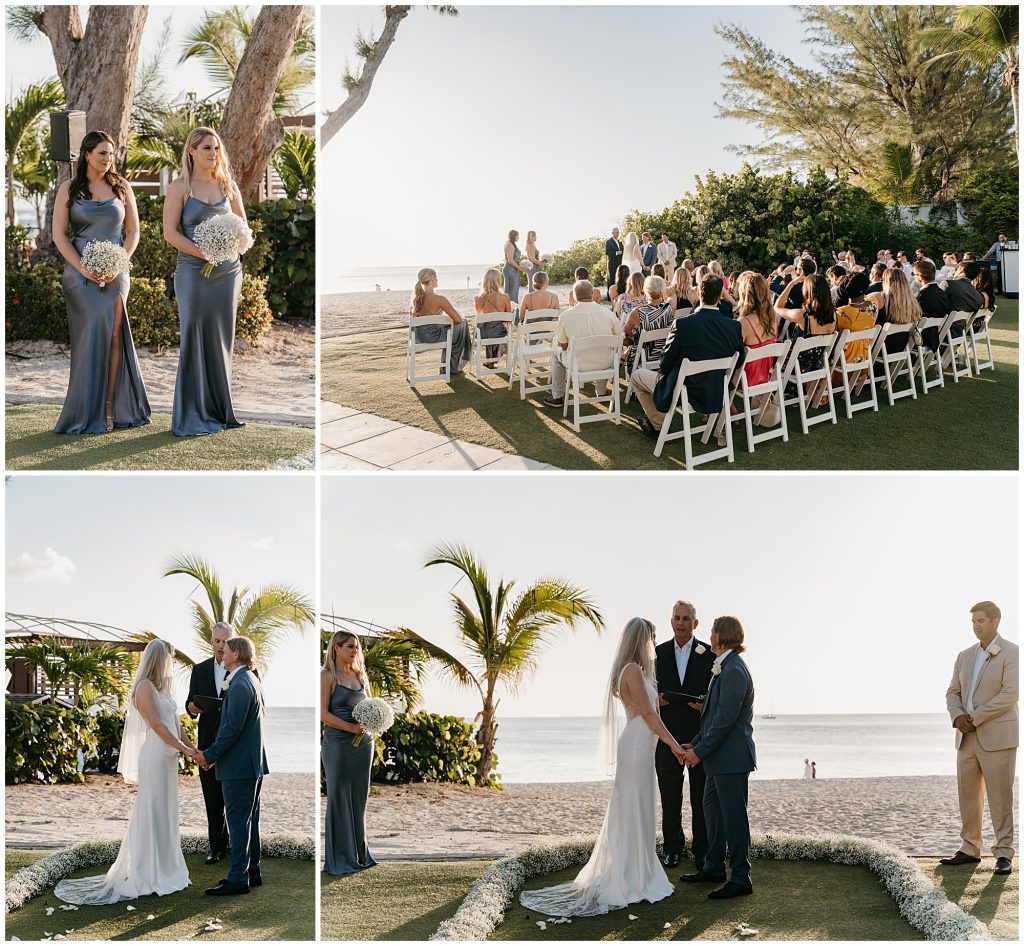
[[817, 296], [79, 186], [753, 298], [419, 293], [358, 665]]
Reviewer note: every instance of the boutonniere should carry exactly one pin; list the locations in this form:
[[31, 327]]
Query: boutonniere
[[716, 669], [224, 686], [701, 649], [993, 652]]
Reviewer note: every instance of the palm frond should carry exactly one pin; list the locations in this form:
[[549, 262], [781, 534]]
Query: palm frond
[[295, 162], [447, 663], [203, 573], [466, 562], [23, 21]]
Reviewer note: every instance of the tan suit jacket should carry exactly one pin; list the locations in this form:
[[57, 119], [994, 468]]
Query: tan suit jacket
[[995, 696]]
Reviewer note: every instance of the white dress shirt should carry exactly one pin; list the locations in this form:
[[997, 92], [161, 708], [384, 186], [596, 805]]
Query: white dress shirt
[[219, 673], [683, 657], [979, 661]]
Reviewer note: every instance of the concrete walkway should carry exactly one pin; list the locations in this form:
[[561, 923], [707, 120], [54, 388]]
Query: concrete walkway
[[354, 440]]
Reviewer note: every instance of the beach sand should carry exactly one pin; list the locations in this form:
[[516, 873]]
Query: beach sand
[[274, 382], [54, 816], [431, 821]]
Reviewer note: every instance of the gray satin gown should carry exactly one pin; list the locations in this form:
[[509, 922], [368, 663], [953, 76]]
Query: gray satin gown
[[91, 324], [206, 312], [347, 768]]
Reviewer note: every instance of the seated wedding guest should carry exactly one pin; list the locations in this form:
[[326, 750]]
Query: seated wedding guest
[[760, 327], [982, 704], [633, 296], [920, 254], [540, 298], [702, 335], [682, 291], [932, 298], [618, 287], [658, 269], [655, 313], [425, 301], [583, 320], [950, 264], [895, 304], [805, 267], [691, 266], [492, 299], [969, 257], [856, 313], [725, 747], [583, 274], [875, 279], [716, 268], [835, 274], [887, 259], [983, 283], [815, 315], [960, 290], [904, 264]]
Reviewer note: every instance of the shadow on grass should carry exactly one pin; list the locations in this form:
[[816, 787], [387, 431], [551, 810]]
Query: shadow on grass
[[992, 898]]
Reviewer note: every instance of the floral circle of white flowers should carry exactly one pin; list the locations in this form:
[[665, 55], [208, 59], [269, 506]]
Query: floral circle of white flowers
[[923, 905], [375, 716], [36, 879], [222, 238], [107, 259]]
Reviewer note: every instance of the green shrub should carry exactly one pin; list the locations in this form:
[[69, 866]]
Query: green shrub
[[290, 260], [42, 742], [154, 258], [16, 247], [34, 304], [426, 747], [991, 202], [153, 317], [254, 317], [588, 253]]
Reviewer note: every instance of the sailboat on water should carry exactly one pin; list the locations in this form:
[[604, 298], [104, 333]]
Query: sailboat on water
[[770, 715]]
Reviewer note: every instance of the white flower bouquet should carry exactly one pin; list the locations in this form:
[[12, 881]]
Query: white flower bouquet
[[222, 239], [374, 715], [108, 260]]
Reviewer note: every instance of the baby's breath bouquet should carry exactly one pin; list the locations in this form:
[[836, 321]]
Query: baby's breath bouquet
[[222, 238], [374, 715], [108, 260]]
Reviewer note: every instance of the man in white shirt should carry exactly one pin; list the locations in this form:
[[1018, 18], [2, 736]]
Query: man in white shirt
[[584, 320], [982, 704]]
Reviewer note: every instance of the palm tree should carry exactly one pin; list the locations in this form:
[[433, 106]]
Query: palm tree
[[394, 666], [983, 36], [78, 667], [266, 616], [22, 118], [295, 163], [503, 635]]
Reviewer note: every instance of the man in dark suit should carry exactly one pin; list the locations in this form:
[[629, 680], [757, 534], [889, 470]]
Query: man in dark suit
[[704, 334], [613, 250], [932, 299], [650, 253], [683, 665], [725, 746], [961, 292], [207, 679]]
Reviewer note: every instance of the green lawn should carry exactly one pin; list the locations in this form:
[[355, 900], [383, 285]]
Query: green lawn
[[794, 900], [282, 909], [970, 425], [32, 445]]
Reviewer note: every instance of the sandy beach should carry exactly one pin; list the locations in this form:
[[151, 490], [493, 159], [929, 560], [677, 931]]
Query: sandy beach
[[54, 816], [273, 383], [431, 821]]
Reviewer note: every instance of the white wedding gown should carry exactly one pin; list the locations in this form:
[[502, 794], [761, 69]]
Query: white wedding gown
[[624, 868], [150, 859]]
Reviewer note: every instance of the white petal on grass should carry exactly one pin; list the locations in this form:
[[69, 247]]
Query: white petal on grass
[[632, 917]]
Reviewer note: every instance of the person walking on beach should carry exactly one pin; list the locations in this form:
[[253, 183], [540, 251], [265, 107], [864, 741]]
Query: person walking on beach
[[683, 666], [814, 770], [808, 771], [982, 704]]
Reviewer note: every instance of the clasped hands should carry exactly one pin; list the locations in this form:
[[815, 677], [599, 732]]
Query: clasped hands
[[686, 755], [196, 755], [965, 724]]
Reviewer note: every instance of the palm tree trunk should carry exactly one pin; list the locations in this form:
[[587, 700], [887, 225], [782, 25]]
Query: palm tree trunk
[[486, 737]]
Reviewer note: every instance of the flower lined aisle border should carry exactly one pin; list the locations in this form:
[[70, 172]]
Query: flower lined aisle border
[[36, 879], [923, 905]]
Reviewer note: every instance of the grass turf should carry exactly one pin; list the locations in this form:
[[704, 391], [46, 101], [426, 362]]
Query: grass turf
[[282, 909], [965, 426], [32, 445], [404, 900]]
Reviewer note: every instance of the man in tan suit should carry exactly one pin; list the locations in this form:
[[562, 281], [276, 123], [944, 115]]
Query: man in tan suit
[[982, 703]]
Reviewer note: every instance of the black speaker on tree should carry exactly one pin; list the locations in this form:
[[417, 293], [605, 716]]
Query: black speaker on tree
[[67, 129]]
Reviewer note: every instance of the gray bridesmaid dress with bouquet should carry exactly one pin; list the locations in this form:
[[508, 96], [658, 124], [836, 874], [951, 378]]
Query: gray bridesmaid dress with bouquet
[[206, 311], [347, 768], [91, 325], [511, 275]]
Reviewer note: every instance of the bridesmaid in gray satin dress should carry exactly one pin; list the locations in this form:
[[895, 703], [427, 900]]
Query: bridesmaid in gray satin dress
[[346, 767], [512, 267], [207, 306], [105, 389]]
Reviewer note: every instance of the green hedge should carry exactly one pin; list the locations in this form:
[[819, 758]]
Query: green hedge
[[42, 742], [289, 229]]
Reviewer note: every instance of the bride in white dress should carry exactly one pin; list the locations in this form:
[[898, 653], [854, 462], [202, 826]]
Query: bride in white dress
[[631, 255], [624, 867], [150, 859]]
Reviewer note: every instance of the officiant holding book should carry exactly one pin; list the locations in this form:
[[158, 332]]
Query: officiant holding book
[[683, 672], [204, 702]]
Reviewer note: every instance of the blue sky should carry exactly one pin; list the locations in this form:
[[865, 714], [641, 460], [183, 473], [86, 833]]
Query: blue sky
[[869, 624], [94, 548], [555, 119]]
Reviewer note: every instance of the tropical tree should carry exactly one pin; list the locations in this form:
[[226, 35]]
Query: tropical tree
[[79, 667], [295, 163], [23, 120], [982, 36], [266, 616], [503, 635], [394, 666], [370, 51]]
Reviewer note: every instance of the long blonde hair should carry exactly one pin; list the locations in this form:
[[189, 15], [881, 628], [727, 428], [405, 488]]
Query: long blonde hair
[[636, 646], [490, 283], [681, 282], [221, 173], [716, 268], [420, 293], [358, 665], [157, 666], [901, 308], [753, 298], [635, 284]]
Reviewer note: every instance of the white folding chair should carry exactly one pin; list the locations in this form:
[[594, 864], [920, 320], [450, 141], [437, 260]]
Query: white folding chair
[[503, 343], [861, 369], [925, 358], [680, 404], [977, 329], [809, 383], [894, 364], [417, 348], [642, 359], [769, 391], [577, 377], [518, 330], [955, 350], [533, 358]]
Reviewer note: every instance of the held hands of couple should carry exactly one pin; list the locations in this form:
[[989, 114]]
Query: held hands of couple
[[197, 756], [688, 757]]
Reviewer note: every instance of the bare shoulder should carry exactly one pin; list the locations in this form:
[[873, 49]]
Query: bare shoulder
[[64, 188]]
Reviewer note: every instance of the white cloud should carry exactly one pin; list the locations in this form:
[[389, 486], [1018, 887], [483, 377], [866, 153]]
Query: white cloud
[[51, 566], [262, 545]]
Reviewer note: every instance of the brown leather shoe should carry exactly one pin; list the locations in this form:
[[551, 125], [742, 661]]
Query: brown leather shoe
[[959, 858], [1003, 866]]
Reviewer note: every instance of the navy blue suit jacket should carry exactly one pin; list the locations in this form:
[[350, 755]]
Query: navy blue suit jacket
[[650, 254], [238, 749], [725, 743], [702, 335]]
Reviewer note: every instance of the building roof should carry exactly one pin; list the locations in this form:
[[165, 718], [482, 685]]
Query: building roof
[[334, 622], [29, 626]]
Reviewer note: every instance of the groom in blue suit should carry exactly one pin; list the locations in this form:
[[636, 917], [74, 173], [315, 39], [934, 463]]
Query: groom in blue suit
[[240, 762], [650, 254], [725, 745]]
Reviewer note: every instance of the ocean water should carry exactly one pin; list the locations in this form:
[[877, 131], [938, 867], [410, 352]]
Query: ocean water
[[291, 738], [870, 746], [402, 278]]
